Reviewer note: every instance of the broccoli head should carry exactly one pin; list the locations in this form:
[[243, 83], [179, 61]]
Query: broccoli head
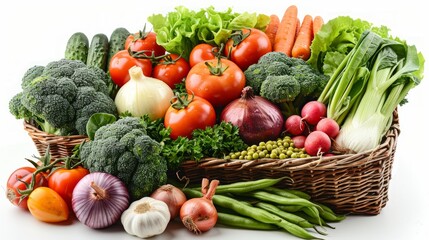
[[63, 95], [280, 89], [123, 149]]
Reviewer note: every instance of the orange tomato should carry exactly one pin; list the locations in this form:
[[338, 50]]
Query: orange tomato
[[47, 205]]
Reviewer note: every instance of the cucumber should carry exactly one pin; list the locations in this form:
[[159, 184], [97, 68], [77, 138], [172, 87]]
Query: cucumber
[[98, 51], [77, 47], [117, 41]]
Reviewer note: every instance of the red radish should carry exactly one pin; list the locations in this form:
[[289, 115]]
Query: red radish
[[294, 125], [317, 143], [313, 111], [299, 141], [328, 126]]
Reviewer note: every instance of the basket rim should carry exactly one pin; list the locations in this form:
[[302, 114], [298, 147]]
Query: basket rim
[[33, 130]]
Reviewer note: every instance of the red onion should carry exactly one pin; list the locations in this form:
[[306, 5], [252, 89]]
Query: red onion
[[172, 196], [257, 118], [99, 199], [199, 214]]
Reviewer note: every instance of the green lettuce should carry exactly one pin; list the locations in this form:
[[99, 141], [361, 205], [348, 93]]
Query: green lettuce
[[336, 39], [180, 30]]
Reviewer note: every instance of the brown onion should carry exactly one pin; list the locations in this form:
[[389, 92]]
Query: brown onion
[[257, 118], [172, 196]]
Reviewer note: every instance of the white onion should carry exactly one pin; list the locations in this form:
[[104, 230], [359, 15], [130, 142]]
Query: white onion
[[99, 199]]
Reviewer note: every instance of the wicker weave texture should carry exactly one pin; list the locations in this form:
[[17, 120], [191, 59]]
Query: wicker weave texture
[[59, 146], [349, 183]]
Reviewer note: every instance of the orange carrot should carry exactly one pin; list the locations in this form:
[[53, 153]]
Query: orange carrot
[[301, 48], [298, 25], [272, 27], [285, 37], [317, 24]]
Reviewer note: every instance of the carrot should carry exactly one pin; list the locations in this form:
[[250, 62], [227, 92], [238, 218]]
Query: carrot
[[317, 24], [301, 48], [272, 27], [285, 37], [298, 25]]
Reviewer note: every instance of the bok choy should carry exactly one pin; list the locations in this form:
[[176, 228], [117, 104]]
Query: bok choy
[[368, 85]]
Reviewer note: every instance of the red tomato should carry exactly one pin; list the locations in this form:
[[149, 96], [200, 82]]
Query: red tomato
[[245, 47], [172, 70], [18, 181], [202, 52], [144, 41], [121, 62], [47, 205], [187, 114], [64, 180], [219, 83]]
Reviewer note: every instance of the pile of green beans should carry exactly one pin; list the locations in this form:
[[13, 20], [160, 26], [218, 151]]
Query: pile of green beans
[[259, 205]]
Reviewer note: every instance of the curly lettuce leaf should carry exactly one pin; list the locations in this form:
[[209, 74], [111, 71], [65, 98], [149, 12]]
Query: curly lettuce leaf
[[336, 39], [180, 30]]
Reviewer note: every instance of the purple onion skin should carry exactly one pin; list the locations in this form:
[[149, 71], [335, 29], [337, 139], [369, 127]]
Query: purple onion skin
[[257, 118], [98, 212]]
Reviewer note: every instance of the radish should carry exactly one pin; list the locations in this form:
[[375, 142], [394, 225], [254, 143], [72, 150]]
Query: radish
[[298, 141], [313, 111], [328, 126], [317, 143], [294, 125]]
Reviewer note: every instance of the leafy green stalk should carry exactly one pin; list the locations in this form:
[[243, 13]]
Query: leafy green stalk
[[395, 70]]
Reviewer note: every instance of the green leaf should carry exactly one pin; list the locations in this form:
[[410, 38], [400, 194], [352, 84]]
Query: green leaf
[[96, 121]]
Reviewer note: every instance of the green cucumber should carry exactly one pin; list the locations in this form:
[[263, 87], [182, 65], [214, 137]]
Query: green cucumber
[[98, 51], [77, 47], [117, 41]]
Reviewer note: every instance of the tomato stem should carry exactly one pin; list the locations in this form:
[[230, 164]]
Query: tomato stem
[[181, 100], [217, 70]]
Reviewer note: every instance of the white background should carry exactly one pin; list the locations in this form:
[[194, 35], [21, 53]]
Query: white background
[[36, 32]]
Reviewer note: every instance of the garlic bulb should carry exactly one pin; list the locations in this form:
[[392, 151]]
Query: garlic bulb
[[146, 217], [143, 95]]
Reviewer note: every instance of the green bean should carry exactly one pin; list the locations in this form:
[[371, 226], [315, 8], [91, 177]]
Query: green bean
[[255, 213], [330, 215], [233, 220], [314, 213], [314, 220], [290, 208], [269, 197], [288, 192], [247, 186], [285, 215]]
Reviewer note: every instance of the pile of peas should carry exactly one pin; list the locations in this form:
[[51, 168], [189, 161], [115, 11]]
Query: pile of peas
[[282, 148]]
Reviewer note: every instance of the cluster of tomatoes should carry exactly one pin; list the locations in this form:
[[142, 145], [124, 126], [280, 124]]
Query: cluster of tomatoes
[[46, 188], [213, 75]]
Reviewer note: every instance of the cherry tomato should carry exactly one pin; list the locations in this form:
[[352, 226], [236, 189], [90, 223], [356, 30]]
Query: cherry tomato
[[121, 62], [188, 113], [246, 46], [144, 41], [64, 180], [47, 205], [172, 69], [219, 83], [202, 52], [18, 181]]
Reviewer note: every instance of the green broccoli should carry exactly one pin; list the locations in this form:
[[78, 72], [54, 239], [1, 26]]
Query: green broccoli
[[31, 74], [255, 74], [62, 96], [289, 97], [124, 149]]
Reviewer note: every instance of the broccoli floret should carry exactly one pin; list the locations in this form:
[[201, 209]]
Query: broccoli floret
[[270, 57], [65, 96], [31, 74], [125, 150], [255, 74], [277, 69], [279, 89], [17, 109]]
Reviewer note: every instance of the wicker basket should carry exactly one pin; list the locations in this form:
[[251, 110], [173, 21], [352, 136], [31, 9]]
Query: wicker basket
[[350, 183], [59, 146]]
